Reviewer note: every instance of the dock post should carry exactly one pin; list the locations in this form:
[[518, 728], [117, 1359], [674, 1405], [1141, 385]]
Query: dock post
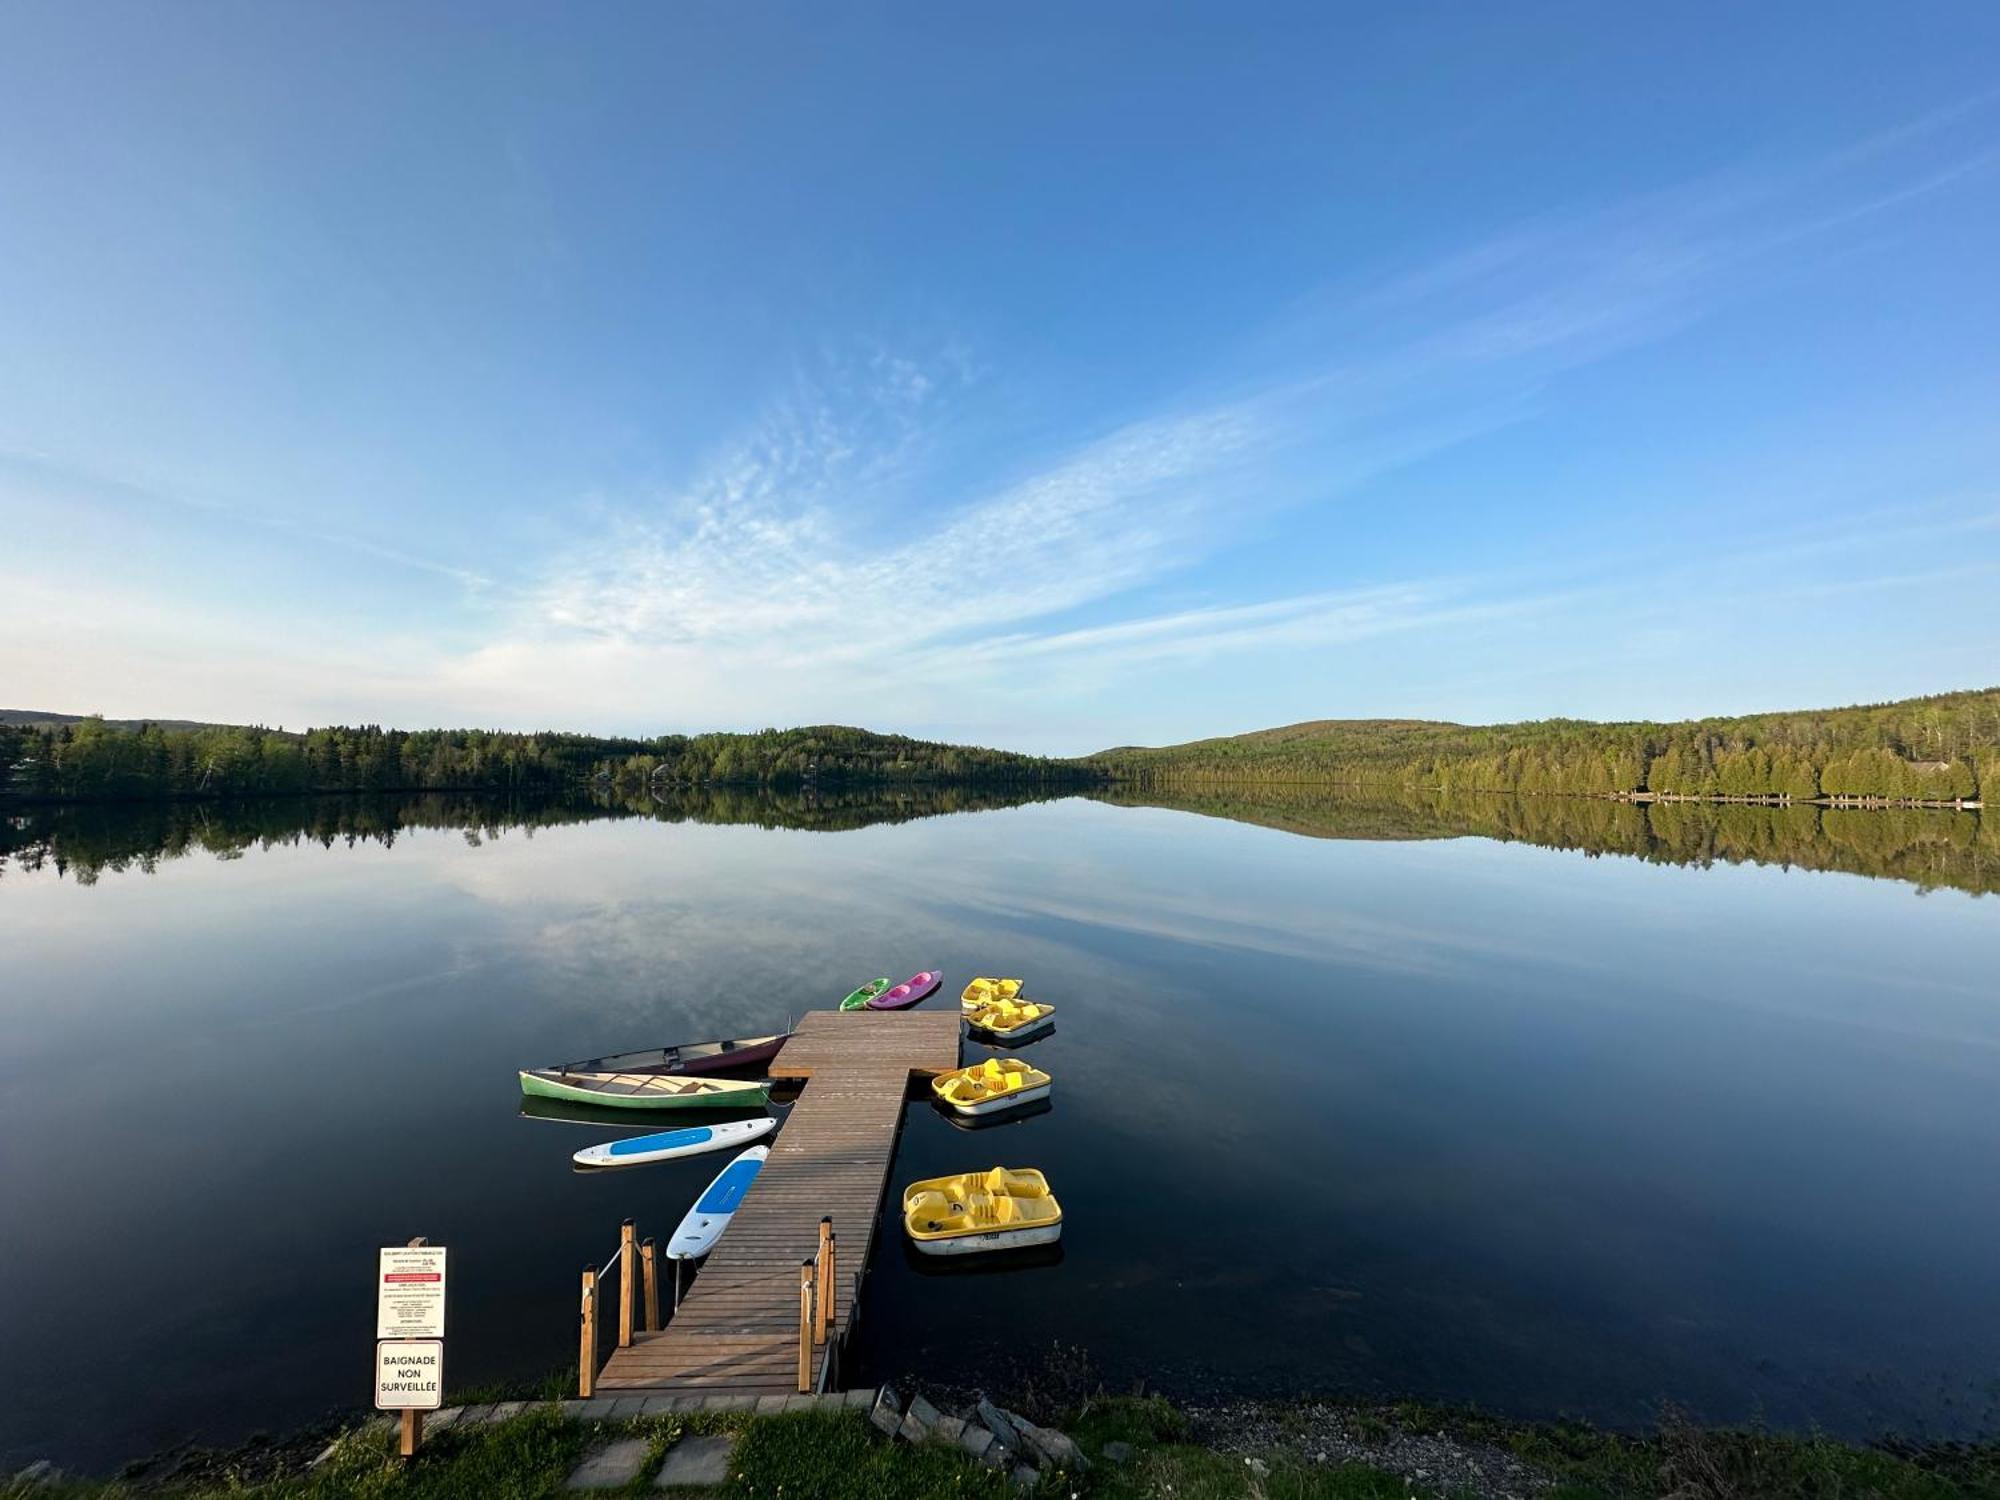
[[805, 1326], [652, 1275], [823, 1279], [829, 1314], [628, 1250], [586, 1359]]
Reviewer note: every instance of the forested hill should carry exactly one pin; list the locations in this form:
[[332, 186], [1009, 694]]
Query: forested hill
[[1938, 749], [89, 759], [35, 718]]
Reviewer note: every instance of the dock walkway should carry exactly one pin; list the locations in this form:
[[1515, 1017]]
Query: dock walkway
[[736, 1331]]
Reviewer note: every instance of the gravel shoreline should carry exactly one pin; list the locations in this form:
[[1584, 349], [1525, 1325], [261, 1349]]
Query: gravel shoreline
[[1328, 1434]]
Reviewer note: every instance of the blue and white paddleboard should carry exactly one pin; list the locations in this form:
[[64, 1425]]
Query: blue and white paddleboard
[[714, 1209], [667, 1144]]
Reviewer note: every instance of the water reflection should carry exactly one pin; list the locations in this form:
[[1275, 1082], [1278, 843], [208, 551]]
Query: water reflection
[[1928, 848], [982, 1124], [1383, 1110]]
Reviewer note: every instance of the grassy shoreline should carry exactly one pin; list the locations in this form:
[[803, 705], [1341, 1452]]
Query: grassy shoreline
[[1138, 1446]]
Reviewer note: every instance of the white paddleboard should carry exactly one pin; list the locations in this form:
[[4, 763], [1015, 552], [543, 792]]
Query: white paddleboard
[[664, 1145], [716, 1206]]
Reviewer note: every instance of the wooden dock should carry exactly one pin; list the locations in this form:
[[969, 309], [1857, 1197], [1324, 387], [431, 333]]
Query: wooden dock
[[736, 1332]]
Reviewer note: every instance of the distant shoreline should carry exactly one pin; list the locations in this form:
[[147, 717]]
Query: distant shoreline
[[1872, 804], [1062, 786], [997, 785]]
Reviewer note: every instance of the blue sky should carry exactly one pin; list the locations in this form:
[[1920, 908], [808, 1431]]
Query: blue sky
[[1055, 376]]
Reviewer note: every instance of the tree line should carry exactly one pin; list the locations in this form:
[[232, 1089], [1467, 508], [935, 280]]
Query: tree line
[[1921, 750], [1924, 750], [830, 753], [87, 760]]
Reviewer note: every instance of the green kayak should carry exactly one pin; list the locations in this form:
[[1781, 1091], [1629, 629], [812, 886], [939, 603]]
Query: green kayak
[[645, 1090], [866, 993]]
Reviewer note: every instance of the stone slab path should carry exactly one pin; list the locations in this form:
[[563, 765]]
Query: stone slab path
[[696, 1462], [611, 1466]]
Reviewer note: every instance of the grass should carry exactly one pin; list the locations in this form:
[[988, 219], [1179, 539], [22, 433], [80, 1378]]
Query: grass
[[807, 1456], [527, 1457], [838, 1456], [1680, 1460], [1699, 1464]]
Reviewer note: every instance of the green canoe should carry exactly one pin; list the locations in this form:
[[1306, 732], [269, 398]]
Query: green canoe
[[866, 993], [645, 1090]]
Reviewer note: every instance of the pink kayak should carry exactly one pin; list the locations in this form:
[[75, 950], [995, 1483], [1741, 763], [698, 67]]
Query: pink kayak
[[909, 992]]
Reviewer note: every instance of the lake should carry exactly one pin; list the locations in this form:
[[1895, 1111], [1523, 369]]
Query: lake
[[1351, 1097]]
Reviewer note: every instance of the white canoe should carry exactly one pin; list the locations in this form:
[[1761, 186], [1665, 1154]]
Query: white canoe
[[664, 1145], [716, 1206]]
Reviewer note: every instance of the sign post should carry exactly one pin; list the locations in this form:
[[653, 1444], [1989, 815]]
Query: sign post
[[409, 1336]]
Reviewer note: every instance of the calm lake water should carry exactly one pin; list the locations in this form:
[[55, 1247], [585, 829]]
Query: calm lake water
[[1451, 1117]]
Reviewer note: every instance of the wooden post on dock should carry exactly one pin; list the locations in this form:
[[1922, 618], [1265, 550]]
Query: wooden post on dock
[[652, 1274], [586, 1358], [628, 1253], [806, 1273], [823, 1279]]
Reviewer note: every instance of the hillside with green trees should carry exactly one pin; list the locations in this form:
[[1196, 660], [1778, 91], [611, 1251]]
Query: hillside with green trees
[[1920, 750], [1936, 750], [89, 760]]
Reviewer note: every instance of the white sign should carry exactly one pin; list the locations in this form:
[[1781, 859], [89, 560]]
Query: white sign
[[409, 1293], [409, 1374]]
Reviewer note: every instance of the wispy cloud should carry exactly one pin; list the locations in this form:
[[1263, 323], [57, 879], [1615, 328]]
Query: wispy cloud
[[1309, 620], [778, 553], [763, 547], [842, 553]]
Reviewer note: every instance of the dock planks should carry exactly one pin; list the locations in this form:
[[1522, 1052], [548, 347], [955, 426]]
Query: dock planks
[[737, 1330]]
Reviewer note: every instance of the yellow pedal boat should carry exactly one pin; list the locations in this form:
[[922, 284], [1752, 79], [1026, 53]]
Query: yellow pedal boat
[[986, 991], [989, 1087], [1004, 1209], [1011, 1020]]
